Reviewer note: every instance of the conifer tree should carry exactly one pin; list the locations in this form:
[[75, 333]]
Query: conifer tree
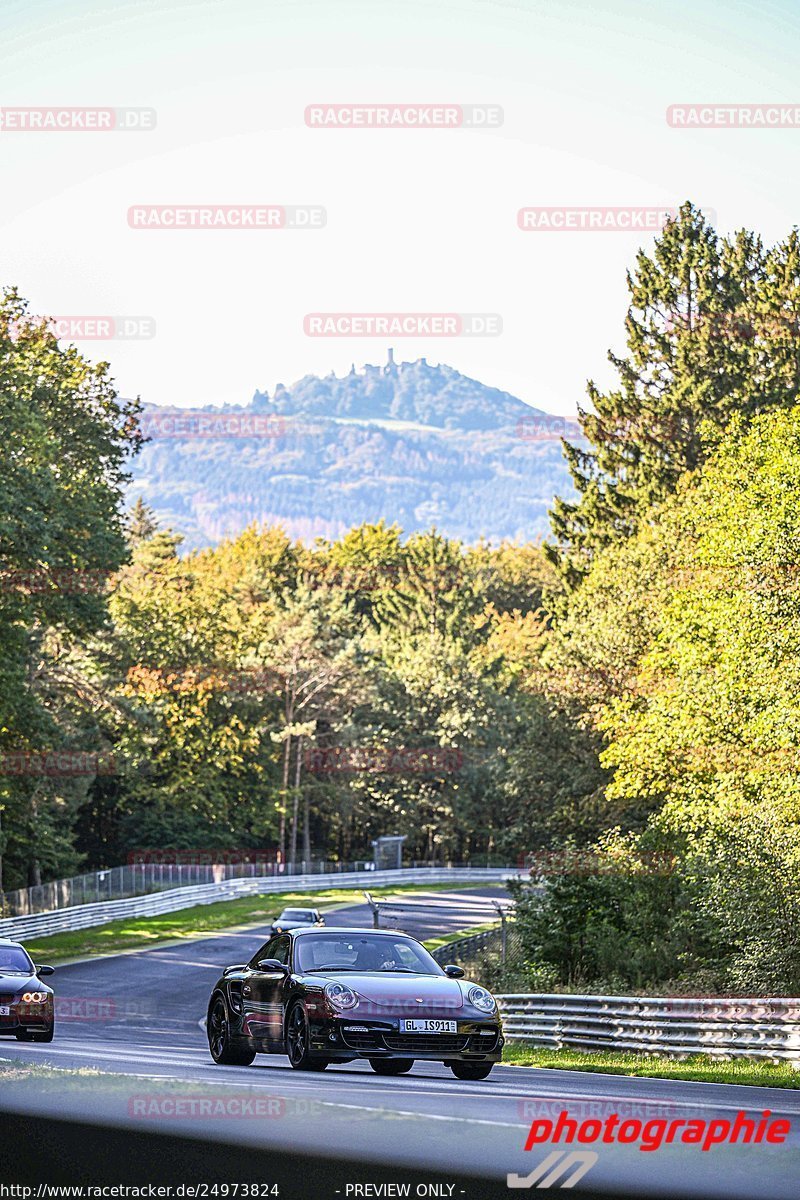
[[711, 331]]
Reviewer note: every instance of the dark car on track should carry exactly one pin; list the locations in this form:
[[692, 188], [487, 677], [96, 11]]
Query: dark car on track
[[26, 1004], [296, 918], [322, 996]]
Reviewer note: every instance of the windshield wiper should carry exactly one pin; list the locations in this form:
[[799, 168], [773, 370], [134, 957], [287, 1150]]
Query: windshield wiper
[[313, 970]]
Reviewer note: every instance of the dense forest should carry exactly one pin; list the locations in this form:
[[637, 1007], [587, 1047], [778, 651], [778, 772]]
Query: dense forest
[[624, 696]]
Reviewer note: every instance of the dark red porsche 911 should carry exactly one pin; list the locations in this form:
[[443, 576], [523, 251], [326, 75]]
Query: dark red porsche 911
[[334, 995]]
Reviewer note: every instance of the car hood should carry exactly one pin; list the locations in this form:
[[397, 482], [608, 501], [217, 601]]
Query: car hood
[[291, 924], [385, 989], [21, 983]]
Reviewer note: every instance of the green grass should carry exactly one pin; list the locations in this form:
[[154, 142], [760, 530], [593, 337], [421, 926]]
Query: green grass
[[699, 1067], [135, 933], [446, 938]]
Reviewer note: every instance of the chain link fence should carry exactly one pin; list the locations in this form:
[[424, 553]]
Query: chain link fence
[[490, 957], [144, 878], [141, 879]]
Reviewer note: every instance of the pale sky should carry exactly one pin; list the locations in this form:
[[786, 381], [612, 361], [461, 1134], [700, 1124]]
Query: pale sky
[[417, 220]]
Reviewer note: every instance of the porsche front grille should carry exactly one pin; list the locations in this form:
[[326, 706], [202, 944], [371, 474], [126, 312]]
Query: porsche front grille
[[419, 1043], [408, 1043], [358, 1040]]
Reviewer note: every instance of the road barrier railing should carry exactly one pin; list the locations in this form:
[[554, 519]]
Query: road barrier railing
[[157, 872], [467, 947], [674, 1026], [85, 916]]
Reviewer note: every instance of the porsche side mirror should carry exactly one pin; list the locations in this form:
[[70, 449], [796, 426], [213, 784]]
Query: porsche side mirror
[[454, 972], [41, 971], [272, 964]]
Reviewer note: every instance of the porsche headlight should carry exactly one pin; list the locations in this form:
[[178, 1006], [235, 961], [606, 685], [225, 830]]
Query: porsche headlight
[[339, 996], [34, 997], [480, 998]]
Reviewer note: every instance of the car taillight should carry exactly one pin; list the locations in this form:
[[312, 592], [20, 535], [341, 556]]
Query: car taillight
[[34, 997]]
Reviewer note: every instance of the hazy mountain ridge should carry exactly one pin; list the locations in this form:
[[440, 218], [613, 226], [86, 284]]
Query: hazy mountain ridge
[[446, 451], [437, 396]]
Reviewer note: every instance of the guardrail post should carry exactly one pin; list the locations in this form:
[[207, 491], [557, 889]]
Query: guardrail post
[[376, 912]]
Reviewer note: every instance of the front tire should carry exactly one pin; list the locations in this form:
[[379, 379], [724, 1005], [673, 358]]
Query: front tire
[[391, 1066], [298, 1042], [471, 1070], [222, 1049]]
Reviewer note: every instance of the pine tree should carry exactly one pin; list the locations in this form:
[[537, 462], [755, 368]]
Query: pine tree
[[141, 523], [711, 331]]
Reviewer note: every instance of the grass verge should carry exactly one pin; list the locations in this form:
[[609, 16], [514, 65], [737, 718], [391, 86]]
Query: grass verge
[[699, 1068], [136, 933], [446, 938]]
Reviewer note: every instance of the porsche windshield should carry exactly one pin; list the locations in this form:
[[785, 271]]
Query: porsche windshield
[[363, 952]]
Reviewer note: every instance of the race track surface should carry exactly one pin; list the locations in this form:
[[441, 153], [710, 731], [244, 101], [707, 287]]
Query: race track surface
[[134, 1024]]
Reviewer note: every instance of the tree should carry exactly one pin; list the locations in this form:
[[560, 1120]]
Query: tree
[[711, 332], [308, 648], [142, 523], [65, 437], [701, 718]]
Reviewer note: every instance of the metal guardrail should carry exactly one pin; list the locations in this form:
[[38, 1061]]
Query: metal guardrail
[[155, 874], [672, 1026], [466, 947], [86, 916]]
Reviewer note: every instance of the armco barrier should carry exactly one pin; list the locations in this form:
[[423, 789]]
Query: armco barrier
[[467, 947], [156, 873], [676, 1026], [84, 916]]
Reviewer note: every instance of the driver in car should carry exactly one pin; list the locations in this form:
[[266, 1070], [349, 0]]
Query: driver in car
[[373, 958]]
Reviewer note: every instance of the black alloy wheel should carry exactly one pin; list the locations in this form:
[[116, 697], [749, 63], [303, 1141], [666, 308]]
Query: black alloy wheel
[[219, 1039], [298, 1042]]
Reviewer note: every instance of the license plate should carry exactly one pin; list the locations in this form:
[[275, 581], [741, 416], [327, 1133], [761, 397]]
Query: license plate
[[5, 1011], [420, 1026]]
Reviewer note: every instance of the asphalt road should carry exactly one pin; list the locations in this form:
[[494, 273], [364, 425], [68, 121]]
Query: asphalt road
[[133, 1024]]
